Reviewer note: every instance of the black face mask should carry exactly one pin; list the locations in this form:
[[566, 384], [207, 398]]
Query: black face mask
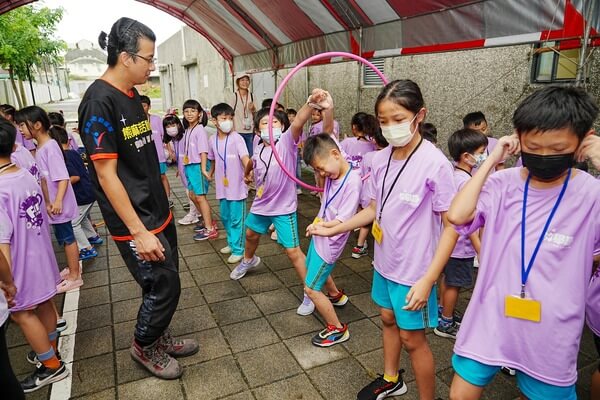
[[547, 167]]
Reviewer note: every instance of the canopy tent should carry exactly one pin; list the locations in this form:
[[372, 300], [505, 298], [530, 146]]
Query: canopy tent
[[255, 35]]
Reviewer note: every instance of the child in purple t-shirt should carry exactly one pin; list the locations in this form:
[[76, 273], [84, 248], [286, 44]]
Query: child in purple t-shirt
[[228, 151], [467, 149], [338, 204], [364, 127], [542, 229], [25, 243], [61, 204]]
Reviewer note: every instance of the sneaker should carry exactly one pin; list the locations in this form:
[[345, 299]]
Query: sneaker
[[331, 335], [95, 240], [233, 259], [43, 376], [239, 271], [274, 235], [188, 219], [340, 300], [178, 347], [86, 254], [206, 234], [508, 371], [379, 389], [458, 317], [186, 207], [199, 227], [155, 359], [307, 307], [446, 331], [67, 285], [360, 251], [61, 325], [171, 204], [32, 358], [225, 250]]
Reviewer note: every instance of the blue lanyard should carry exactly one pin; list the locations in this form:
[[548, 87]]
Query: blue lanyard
[[329, 200], [224, 158], [525, 271]]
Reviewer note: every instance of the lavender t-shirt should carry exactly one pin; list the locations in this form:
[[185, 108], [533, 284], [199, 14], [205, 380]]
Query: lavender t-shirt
[[409, 220], [318, 128], [24, 226], [51, 162], [593, 304], [232, 155], [157, 135], [464, 247], [365, 170], [180, 153], [195, 141], [559, 278], [279, 193], [22, 158], [356, 149], [341, 207], [73, 141]]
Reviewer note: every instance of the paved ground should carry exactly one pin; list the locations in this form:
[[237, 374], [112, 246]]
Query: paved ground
[[253, 345]]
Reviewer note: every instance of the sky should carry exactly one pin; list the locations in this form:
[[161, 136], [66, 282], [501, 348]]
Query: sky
[[84, 19]]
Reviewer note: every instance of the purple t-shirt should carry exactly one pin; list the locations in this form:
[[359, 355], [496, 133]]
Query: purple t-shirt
[[158, 133], [24, 226], [73, 144], [559, 278], [279, 191], [23, 159], [492, 142], [464, 247], [356, 149], [593, 304], [318, 128], [341, 207], [195, 142], [409, 220], [180, 153], [51, 162], [365, 169], [230, 151]]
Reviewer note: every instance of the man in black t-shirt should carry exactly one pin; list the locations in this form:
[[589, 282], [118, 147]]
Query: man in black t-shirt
[[124, 168]]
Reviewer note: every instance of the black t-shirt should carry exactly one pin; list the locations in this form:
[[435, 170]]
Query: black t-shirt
[[112, 125], [84, 191]]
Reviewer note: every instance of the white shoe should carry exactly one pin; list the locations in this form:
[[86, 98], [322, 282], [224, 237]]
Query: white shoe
[[225, 250], [274, 235], [234, 259], [307, 307], [239, 271], [189, 219], [271, 227]]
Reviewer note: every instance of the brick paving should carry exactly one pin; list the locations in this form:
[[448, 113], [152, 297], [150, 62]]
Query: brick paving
[[252, 343]]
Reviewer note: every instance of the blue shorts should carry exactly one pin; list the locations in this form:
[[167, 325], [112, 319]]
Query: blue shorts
[[480, 374], [286, 227], [458, 272], [197, 182], [163, 168], [64, 233], [392, 295], [317, 270]]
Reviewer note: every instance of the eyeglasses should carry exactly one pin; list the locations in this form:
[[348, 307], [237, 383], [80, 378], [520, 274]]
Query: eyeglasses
[[148, 60]]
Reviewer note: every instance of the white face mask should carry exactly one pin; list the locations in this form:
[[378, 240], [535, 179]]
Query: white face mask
[[479, 159], [398, 135], [264, 134], [172, 131], [226, 126]]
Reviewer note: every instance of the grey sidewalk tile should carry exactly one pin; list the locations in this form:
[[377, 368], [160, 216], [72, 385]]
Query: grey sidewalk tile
[[125, 291], [204, 261], [93, 343], [259, 367], [339, 380], [277, 262], [129, 370], [365, 304], [222, 291], [108, 394], [94, 279], [95, 265], [240, 396], [349, 313], [257, 283], [124, 334], [364, 336], [194, 249], [18, 361], [213, 379], [190, 297], [152, 389], [363, 264], [118, 275], [14, 336], [353, 284], [294, 388], [289, 277], [367, 276], [442, 349], [93, 375], [205, 276], [310, 356], [212, 346], [288, 324], [192, 320], [275, 301], [268, 248], [441, 390], [186, 280], [93, 297], [94, 317], [237, 310], [126, 310], [115, 260], [249, 335], [340, 270]]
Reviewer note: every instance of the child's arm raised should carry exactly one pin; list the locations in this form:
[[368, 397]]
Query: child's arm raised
[[462, 209]]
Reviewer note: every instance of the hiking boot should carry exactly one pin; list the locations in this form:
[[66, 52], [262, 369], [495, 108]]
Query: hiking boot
[[43, 376], [178, 347], [154, 358], [379, 389]]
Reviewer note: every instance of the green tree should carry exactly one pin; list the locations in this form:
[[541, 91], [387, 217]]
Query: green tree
[[27, 38]]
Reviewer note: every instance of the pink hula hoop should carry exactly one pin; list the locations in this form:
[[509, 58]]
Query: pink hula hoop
[[283, 85]]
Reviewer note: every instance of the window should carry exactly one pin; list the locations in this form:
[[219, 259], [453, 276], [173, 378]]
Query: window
[[370, 77], [554, 66]]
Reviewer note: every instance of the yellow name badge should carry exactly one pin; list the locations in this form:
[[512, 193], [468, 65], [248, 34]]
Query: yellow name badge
[[260, 191], [527, 309], [377, 232], [316, 220], [225, 181], [186, 160]]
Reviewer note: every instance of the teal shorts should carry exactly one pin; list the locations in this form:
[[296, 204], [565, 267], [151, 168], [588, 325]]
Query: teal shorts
[[317, 270], [392, 295], [480, 374], [197, 182], [163, 168], [286, 227]]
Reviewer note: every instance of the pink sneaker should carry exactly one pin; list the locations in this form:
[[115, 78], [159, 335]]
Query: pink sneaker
[[67, 285]]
